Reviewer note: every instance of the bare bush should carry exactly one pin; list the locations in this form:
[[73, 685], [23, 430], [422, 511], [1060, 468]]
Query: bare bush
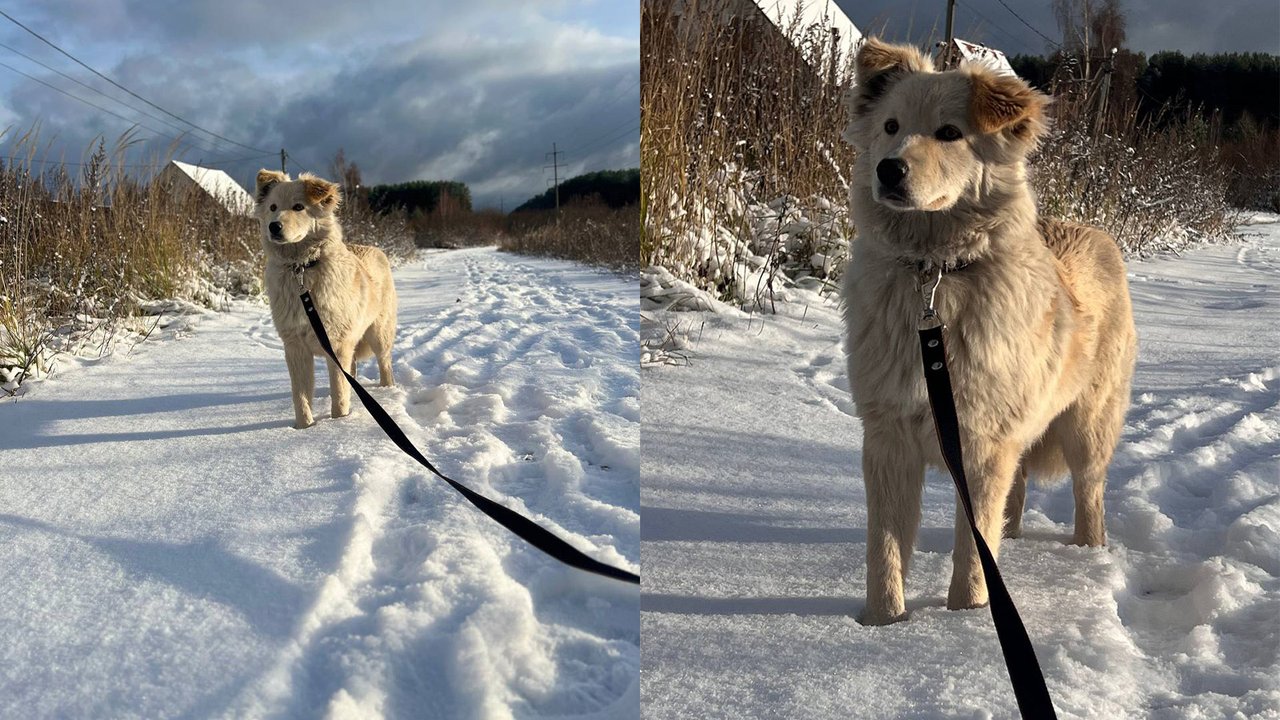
[[588, 232], [1153, 188]]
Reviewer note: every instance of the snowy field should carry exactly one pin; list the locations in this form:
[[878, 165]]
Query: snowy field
[[171, 548], [754, 528]]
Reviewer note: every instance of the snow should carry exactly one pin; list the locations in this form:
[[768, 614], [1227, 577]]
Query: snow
[[170, 547], [754, 526]]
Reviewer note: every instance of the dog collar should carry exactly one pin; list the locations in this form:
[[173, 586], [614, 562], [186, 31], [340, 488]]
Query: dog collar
[[928, 266], [298, 268]]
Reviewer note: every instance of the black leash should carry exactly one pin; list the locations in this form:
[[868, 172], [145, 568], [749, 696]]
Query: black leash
[[522, 526], [1019, 655]]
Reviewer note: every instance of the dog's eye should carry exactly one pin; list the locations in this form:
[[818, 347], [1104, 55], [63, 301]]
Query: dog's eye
[[948, 133], [891, 126], [273, 207], [298, 207]]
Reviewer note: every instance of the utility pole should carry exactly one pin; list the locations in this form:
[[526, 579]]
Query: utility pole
[[555, 174], [951, 20], [1108, 67], [283, 155], [948, 49]]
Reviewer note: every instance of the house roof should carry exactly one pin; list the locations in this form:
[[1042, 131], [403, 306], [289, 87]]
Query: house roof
[[975, 53], [219, 185], [812, 12]]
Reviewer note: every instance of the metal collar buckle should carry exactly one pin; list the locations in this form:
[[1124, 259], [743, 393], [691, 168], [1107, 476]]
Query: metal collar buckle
[[928, 283], [299, 269]]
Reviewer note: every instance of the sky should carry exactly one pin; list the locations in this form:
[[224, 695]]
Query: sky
[[1191, 26], [409, 89]]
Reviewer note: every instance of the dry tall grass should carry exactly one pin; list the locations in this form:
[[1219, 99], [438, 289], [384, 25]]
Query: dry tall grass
[[84, 247], [743, 187], [731, 110], [81, 251]]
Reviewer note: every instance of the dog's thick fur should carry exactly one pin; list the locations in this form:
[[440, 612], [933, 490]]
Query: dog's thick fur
[[1040, 337], [350, 284]]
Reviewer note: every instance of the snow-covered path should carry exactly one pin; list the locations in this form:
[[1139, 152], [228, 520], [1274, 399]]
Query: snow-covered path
[[754, 528], [170, 547]]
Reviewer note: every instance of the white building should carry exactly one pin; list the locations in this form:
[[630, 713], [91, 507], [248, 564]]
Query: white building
[[186, 178], [974, 54]]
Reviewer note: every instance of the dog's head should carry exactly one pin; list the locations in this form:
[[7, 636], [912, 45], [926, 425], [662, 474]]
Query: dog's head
[[291, 210], [926, 138]]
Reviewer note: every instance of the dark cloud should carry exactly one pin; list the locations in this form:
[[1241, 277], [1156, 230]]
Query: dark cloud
[[1153, 25], [408, 90]]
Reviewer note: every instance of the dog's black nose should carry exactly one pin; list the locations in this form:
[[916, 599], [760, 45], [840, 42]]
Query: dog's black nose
[[891, 171], [275, 228]]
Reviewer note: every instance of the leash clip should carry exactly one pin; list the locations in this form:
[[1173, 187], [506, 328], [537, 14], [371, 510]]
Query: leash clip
[[928, 285]]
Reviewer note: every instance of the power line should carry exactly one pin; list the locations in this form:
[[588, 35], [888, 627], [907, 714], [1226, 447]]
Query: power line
[[92, 104], [992, 23], [596, 137], [1024, 22], [20, 159], [592, 147], [134, 94], [170, 123], [228, 161]]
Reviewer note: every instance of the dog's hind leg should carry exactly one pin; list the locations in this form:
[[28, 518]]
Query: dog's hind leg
[[1013, 506], [339, 391], [894, 478], [302, 382], [379, 336], [1088, 446], [990, 480]]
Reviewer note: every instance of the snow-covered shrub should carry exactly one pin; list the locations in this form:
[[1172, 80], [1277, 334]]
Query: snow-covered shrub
[[1154, 189], [741, 157]]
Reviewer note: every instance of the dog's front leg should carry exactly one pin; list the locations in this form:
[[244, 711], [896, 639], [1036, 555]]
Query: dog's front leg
[[990, 477], [302, 382], [339, 391], [894, 477]]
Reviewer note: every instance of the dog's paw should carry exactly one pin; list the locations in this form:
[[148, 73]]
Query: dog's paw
[[965, 600], [300, 425], [875, 619]]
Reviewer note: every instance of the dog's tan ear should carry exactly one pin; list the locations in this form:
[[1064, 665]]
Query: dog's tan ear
[[321, 192], [268, 178], [877, 66], [1000, 102], [875, 57]]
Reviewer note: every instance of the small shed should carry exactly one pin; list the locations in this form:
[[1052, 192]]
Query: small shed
[[972, 53], [771, 20], [216, 184]]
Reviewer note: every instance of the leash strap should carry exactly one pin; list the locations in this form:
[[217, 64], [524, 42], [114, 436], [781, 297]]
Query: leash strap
[[1019, 655], [523, 527]]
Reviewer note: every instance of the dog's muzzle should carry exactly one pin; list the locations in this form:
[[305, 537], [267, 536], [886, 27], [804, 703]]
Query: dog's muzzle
[[275, 229]]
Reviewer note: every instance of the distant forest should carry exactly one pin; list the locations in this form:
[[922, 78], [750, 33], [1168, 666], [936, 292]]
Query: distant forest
[[1236, 85], [424, 196], [614, 188]]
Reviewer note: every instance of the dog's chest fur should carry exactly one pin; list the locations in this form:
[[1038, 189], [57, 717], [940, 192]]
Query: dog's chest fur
[[992, 358], [339, 287]]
